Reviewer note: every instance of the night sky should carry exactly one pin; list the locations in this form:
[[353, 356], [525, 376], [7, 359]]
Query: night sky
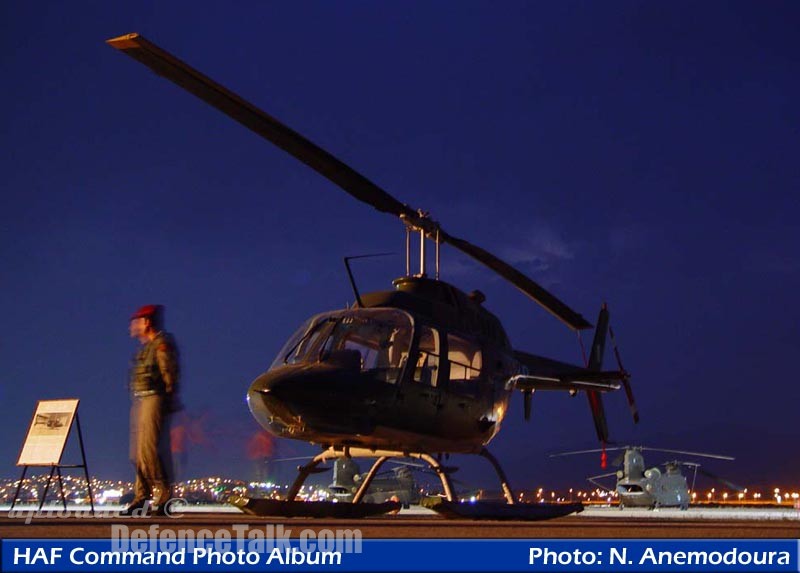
[[644, 154]]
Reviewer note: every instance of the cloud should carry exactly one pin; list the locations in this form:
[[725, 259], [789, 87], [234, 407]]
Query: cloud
[[537, 250]]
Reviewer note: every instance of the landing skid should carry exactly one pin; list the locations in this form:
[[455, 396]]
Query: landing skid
[[282, 508], [446, 506], [382, 457], [495, 510]]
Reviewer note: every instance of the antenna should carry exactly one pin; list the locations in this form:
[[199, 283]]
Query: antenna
[[350, 273]]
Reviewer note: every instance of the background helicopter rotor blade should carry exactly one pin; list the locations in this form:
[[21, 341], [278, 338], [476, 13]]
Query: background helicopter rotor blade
[[721, 480], [292, 459], [409, 464], [324, 163], [593, 481], [592, 451], [601, 476], [684, 453]]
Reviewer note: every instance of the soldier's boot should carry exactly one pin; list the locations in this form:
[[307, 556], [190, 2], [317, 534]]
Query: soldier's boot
[[137, 507], [164, 495], [141, 497]]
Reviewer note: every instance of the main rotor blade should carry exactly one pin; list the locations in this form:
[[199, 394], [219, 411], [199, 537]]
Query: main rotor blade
[[720, 479], [592, 451], [522, 282], [700, 454], [170, 67], [601, 476], [258, 121]]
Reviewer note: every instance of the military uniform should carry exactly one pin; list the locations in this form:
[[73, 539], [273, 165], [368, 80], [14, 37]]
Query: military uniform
[[154, 386]]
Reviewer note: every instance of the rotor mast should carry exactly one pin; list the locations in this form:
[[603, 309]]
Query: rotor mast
[[428, 229]]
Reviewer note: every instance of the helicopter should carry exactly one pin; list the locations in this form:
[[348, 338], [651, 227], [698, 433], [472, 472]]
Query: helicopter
[[51, 421], [652, 488], [397, 484], [420, 371]]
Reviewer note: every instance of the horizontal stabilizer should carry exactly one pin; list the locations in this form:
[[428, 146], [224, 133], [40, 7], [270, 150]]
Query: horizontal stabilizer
[[548, 374], [523, 382]]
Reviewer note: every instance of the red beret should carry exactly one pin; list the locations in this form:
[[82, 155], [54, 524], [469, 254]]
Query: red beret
[[147, 311]]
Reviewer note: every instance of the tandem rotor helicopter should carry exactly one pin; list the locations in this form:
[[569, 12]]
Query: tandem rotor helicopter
[[640, 487], [420, 371]]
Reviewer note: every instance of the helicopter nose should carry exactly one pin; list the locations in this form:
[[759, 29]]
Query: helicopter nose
[[269, 398], [267, 384], [303, 399]]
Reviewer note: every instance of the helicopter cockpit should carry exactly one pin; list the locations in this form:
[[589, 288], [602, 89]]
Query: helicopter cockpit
[[375, 341]]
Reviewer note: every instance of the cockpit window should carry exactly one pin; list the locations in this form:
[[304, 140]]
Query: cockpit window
[[377, 339], [382, 339], [304, 342], [292, 343]]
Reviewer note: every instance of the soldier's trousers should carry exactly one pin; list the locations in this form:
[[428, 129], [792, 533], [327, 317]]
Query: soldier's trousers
[[150, 447]]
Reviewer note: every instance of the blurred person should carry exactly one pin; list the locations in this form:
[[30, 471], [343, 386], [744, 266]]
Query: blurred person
[[153, 384]]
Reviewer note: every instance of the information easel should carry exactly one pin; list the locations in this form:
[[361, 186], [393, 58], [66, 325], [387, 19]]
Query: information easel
[[45, 442]]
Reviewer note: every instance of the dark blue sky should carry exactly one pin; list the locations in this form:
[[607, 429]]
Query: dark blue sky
[[641, 153]]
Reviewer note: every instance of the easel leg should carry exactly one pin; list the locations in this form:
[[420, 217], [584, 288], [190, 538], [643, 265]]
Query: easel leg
[[61, 487], [19, 487], [85, 466], [46, 487]]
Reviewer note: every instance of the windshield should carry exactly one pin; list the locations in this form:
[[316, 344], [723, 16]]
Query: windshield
[[380, 337]]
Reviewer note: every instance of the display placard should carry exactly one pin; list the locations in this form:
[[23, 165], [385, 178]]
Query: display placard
[[48, 432]]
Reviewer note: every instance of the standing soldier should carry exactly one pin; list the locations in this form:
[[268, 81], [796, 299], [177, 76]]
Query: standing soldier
[[154, 386]]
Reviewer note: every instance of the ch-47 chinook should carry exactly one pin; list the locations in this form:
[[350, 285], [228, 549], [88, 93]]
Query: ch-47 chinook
[[418, 371], [638, 486]]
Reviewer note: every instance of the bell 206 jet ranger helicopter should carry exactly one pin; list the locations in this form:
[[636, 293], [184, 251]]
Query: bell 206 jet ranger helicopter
[[420, 371]]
